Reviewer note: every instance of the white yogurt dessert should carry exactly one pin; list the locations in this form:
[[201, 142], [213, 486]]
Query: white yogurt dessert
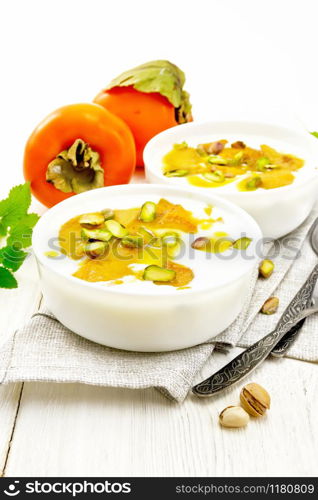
[[278, 196], [141, 310]]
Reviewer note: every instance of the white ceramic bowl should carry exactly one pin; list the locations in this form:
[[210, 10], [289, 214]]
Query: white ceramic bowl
[[277, 211], [142, 316]]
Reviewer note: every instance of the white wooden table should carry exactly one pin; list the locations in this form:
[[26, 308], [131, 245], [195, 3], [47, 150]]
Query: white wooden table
[[51, 429]]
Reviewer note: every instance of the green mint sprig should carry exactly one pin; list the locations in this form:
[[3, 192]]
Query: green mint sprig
[[16, 226]]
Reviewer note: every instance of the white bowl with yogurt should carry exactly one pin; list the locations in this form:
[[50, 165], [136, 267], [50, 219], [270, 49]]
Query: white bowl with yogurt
[[278, 211], [139, 315]]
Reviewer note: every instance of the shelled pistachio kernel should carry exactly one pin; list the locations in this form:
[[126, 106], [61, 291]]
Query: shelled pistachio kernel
[[157, 273], [253, 183], [52, 254], [238, 145], [96, 234], [96, 248], [237, 158], [234, 416], [242, 243], [170, 239], [270, 306], [176, 173], [91, 220], [266, 268], [148, 212], [262, 163], [217, 160], [181, 145], [108, 213], [255, 399], [215, 147], [216, 176], [148, 236], [201, 243], [116, 229], [132, 241]]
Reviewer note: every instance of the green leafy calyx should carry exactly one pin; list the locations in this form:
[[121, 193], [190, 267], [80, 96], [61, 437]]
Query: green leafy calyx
[[162, 77]]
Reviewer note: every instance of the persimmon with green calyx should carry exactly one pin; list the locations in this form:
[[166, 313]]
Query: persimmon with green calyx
[[75, 149], [149, 98]]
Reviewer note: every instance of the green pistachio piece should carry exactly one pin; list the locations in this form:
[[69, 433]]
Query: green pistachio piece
[[266, 268], [108, 213], [181, 145], [96, 234], [132, 241], [157, 273], [217, 160], [91, 220], [116, 229], [148, 236], [217, 176], [253, 183], [176, 173], [52, 254], [148, 212], [96, 249], [242, 243], [170, 239], [237, 158], [262, 163]]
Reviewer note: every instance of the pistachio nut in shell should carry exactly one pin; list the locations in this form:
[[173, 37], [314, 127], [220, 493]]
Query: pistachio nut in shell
[[255, 399], [234, 416], [270, 306]]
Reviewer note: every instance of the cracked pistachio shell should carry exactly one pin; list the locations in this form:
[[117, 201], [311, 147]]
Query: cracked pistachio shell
[[234, 416], [255, 399], [270, 306]]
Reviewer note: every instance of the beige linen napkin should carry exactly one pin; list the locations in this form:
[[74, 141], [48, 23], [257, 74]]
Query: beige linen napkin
[[44, 350]]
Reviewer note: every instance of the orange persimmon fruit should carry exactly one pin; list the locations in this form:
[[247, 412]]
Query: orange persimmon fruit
[[149, 98], [77, 148]]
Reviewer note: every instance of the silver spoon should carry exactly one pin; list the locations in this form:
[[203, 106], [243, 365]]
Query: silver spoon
[[312, 305], [253, 356]]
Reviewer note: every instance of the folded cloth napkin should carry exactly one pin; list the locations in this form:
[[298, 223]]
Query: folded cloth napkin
[[44, 350]]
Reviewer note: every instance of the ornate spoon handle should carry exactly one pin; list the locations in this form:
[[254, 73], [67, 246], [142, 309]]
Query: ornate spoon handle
[[287, 340], [249, 359]]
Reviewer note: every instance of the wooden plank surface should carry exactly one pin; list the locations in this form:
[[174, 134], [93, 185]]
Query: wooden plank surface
[[52, 429], [79, 430], [16, 307], [9, 403]]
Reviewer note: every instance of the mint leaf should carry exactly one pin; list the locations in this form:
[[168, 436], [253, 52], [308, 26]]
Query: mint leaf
[[3, 230], [29, 220], [7, 280], [315, 134], [16, 225], [12, 258], [16, 205], [20, 235]]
